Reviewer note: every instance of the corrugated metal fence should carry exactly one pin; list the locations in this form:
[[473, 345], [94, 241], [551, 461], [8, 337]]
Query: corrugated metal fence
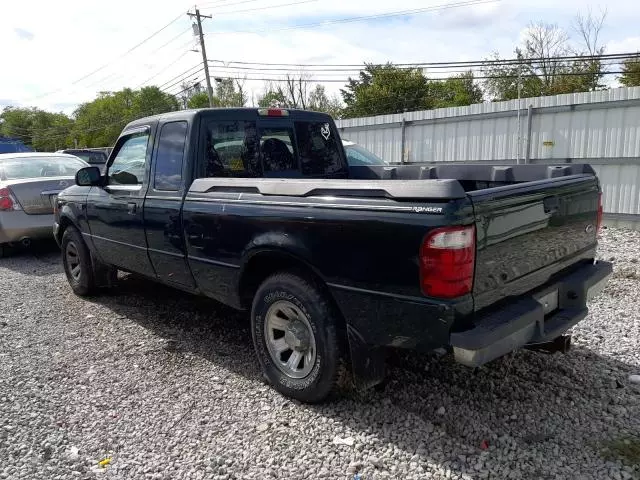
[[600, 128]]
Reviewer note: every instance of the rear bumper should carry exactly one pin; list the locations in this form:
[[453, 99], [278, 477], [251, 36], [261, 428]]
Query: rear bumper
[[17, 225], [524, 321]]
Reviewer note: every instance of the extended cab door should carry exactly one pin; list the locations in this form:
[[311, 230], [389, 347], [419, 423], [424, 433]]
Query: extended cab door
[[163, 205], [115, 212]]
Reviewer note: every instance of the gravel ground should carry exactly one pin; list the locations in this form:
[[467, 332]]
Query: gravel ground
[[162, 385]]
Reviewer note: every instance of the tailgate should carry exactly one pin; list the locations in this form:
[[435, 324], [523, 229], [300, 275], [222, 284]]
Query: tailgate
[[37, 195], [529, 231]]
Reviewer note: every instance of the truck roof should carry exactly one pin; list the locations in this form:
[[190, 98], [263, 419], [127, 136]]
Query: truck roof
[[190, 114]]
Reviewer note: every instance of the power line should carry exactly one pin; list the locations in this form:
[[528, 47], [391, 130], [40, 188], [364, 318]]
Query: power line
[[333, 73], [233, 12], [171, 64], [226, 4], [183, 80], [366, 17], [485, 77], [172, 40], [93, 72], [131, 49], [471, 63], [183, 75]]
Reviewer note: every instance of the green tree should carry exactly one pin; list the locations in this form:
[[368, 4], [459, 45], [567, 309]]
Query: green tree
[[152, 99], [294, 93], [41, 130], [198, 100], [229, 92], [539, 68], [273, 97], [456, 91], [99, 122], [17, 122], [51, 131], [631, 72], [319, 101], [384, 89]]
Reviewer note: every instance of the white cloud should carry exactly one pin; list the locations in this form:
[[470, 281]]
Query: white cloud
[[49, 51], [629, 44]]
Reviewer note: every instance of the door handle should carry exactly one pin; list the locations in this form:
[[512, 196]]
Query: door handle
[[131, 208]]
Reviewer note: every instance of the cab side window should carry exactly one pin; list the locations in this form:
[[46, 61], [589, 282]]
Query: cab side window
[[170, 156], [128, 166]]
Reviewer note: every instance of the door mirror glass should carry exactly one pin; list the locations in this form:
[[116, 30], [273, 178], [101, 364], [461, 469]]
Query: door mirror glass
[[88, 177]]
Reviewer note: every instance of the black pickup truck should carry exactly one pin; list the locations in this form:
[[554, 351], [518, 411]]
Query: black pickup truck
[[258, 208]]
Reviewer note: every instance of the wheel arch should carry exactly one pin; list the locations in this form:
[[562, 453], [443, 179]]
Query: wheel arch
[[262, 263]]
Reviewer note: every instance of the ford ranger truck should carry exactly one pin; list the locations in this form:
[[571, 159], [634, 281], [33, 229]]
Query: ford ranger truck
[[258, 209]]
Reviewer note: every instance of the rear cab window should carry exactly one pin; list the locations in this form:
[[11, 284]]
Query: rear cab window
[[321, 153], [247, 145]]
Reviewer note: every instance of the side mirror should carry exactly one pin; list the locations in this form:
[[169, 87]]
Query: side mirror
[[88, 177]]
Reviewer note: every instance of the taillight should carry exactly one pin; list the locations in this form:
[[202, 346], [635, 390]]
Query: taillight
[[7, 202], [447, 262], [273, 112], [600, 213]]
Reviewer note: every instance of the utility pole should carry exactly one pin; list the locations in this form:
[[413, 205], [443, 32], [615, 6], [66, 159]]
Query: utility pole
[[204, 53]]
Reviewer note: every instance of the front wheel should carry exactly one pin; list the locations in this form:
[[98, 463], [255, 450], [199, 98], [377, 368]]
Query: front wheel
[[76, 260], [296, 336]]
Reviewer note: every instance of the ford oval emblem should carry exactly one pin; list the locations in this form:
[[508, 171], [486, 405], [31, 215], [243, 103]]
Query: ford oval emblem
[[63, 184], [589, 228]]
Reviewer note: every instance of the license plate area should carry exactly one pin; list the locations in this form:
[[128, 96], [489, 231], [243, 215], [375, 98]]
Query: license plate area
[[548, 300]]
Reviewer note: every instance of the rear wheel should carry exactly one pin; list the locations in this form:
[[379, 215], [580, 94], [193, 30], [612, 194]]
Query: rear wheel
[[76, 260], [297, 338]]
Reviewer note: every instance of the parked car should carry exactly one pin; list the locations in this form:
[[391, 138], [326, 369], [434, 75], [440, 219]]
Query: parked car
[[105, 150], [29, 184], [358, 156], [333, 268], [91, 156]]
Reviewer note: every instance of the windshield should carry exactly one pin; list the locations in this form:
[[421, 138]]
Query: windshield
[[38, 167], [358, 156]]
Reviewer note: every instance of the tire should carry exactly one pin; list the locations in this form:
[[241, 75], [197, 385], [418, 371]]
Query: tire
[[76, 260], [293, 302]]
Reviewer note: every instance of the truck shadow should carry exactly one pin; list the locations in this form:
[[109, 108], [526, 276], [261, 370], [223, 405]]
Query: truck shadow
[[444, 413]]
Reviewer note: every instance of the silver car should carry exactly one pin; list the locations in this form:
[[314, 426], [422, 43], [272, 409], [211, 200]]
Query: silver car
[[29, 185]]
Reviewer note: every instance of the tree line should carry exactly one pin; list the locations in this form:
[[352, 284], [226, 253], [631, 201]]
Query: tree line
[[546, 63]]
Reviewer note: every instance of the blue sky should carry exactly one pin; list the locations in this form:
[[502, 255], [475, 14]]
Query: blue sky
[[51, 50]]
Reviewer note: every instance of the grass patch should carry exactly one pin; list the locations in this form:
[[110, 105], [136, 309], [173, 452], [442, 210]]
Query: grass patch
[[625, 449]]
